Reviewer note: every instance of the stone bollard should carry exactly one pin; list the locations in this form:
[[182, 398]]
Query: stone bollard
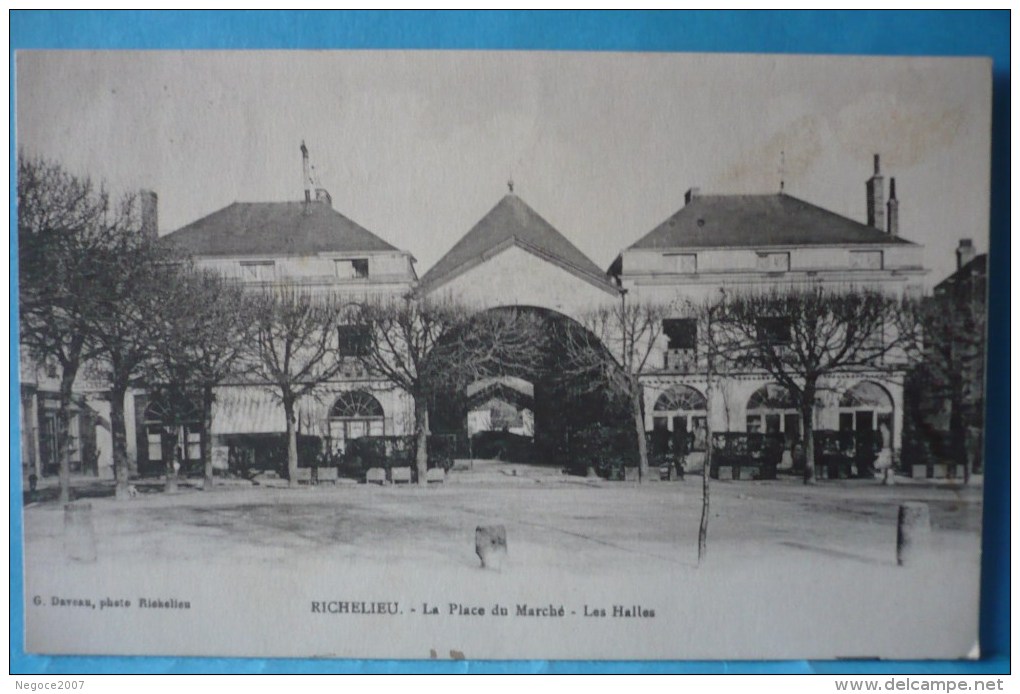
[[490, 545], [79, 535], [913, 533]]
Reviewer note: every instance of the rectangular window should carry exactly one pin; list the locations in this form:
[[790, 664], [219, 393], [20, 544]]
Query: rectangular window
[[866, 260], [258, 271], [774, 330], [353, 340], [682, 332], [683, 263], [774, 262], [753, 424], [351, 269]]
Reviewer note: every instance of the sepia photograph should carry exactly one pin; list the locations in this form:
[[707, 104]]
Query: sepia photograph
[[501, 355]]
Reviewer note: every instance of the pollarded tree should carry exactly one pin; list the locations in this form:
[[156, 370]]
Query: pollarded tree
[[801, 336], [203, 341], [614, 349], [295, 349], [422, 346], [65, 226]]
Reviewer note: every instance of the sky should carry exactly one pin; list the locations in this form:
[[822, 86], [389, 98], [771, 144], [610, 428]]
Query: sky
[[416, 146]]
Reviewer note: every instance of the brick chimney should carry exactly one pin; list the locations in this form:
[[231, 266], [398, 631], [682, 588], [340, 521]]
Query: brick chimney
[[691, 194], [148, 203], [964, 253], [876, 198], [893, 209]]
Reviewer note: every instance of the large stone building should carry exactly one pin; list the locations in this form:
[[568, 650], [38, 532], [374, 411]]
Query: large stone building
[[750, 242], [514, 257]]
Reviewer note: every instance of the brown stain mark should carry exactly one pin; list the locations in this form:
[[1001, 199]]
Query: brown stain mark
[[456, 655], [905, 132], [794, 149]]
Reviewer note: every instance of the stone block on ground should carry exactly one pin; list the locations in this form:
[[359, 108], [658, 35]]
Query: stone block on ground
[[79, 533], [400, 475], [436, 474], [328, 474], [919, 472], [939, 471], [375, 475], [303, 475], [726, 472], [913, 534], [490, 545]]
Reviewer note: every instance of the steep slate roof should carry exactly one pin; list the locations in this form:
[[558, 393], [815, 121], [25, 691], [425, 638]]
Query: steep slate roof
[[275, 228], [513, 222], [759, 220]]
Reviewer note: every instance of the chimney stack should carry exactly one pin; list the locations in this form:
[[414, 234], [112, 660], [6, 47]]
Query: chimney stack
[[306, 171], [893, 209], [964, 253], [876, 198], [149, 208], [691, 194]]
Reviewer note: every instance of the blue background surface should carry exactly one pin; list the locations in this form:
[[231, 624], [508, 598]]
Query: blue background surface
[[978, 33]]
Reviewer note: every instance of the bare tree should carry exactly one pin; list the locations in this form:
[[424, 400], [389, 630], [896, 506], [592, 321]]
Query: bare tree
[[295, 350], [423, 345], [613, 350], [204, 338], [133, 300], [64, 226], [799, 337], [711, 358]]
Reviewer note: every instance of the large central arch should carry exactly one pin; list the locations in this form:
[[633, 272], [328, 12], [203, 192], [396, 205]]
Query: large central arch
[[568, 407]]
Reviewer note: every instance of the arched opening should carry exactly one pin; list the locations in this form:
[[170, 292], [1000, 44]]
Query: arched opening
[[172, 425], [542, 410], [867, 407], [772, 409], [354, 414], [680, 411]]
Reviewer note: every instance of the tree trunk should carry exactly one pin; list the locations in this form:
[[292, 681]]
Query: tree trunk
[[957, 430], [206, 440], [706, 473], [64, 430], [807, 411], [168, 445], [421, 420], [118, 431], [292, 459], [639, 428]]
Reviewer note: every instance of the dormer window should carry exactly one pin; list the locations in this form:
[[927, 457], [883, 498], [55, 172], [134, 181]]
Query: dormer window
[[258, 270], [351, 268]]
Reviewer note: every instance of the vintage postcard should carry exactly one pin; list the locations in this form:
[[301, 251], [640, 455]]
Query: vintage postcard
[[496, 355]]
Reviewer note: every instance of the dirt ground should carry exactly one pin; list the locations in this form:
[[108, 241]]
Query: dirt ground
[[792, 571]]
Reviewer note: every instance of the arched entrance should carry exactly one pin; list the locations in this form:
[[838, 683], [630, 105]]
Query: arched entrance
[[772, 409], [354, 414], [682, 410], [867, 407], [172, 426], [546, 398]]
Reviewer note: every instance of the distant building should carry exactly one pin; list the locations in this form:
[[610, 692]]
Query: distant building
[[963, 293]]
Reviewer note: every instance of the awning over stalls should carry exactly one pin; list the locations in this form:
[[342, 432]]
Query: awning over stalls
[[247, 410]]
